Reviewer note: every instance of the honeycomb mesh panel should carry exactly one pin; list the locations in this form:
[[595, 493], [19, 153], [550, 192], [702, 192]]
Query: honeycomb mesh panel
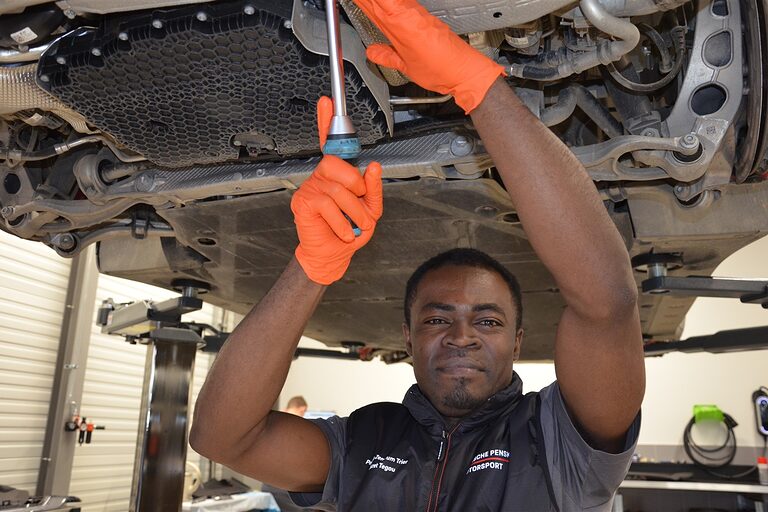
[[180, 93]]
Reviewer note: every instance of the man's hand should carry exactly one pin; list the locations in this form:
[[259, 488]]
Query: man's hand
[[326, 240], [428, 52]]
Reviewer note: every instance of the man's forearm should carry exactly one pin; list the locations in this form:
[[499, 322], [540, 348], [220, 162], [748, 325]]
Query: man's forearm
[[251, 368], [556, 201]]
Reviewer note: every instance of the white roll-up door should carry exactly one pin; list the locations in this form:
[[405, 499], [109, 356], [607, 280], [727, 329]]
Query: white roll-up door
[[102, 471], [33, 288]]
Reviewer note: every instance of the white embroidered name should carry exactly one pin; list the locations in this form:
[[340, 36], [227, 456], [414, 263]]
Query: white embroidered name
[[387, 464]]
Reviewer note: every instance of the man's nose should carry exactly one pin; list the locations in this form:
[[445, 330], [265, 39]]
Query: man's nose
[[462, 335]]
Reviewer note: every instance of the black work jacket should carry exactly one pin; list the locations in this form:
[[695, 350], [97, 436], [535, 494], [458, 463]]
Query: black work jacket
[[403, 457]]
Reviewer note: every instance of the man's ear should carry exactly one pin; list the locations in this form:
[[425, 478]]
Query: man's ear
[[407, 336], [518, 344]]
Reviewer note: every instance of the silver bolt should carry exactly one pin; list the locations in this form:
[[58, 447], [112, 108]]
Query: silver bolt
[[201, 16], [689, 141], [157, 23], [461, 146], [123, 36], [69, 13], [657, 270], [65, 242], [145, 182], [95, 51], [61, 60], [287, 24], [649, 132], [45, 78], [6, 211], [679, 189], [70, 366], [249, 10]]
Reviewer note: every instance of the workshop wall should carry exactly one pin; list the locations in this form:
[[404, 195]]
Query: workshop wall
[[33, 287]]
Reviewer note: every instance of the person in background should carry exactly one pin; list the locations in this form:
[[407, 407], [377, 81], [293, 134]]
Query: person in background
[[296, 405]]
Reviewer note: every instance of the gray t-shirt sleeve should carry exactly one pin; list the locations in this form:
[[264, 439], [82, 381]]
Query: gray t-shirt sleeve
[[583, 478], [335, 430]]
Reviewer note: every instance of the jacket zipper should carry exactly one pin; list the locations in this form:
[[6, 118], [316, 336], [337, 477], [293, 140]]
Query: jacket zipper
[[442, 456]]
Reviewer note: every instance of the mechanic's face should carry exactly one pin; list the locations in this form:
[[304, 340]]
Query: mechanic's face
[[462, 337]]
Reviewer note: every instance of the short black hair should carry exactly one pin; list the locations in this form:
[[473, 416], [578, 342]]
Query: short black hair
[[463, 258]]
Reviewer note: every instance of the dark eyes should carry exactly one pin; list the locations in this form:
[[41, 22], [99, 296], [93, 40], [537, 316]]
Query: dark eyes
[[485, 322]]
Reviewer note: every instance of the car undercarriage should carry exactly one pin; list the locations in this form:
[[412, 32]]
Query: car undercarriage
[[172, 135]]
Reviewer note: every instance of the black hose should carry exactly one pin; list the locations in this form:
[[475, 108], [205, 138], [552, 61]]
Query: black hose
[[542, 72], [678, 34], [658, 42], [577, 95], [710, 460]]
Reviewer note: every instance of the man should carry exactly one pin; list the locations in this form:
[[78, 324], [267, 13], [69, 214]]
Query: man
[[465, 437], [296, 405]]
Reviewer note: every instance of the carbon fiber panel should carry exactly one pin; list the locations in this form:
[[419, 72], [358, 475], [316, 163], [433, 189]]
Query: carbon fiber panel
[[178, 85]]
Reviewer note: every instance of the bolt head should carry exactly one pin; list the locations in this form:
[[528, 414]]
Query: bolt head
[[157, 23], [690, 140], [145, 182], [201, 16], [66, 242], [69, 13], [6, 211], [287, 24], [249, 10], [61, 60], [45, 78], [96, 51], [123, 36], [649, 132], [461, 146]]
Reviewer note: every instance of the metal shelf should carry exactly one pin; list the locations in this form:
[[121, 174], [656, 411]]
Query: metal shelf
[[695, 486]]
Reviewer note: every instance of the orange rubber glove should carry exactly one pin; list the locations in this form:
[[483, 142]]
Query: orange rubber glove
[[428, 52], [326, 239]]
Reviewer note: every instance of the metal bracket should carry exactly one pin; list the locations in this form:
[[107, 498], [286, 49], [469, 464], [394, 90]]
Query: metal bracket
[[749, 291], [602, 160], [734, 340], [140, 319]]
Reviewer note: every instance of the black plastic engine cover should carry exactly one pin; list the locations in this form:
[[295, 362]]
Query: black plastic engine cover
[[177, 85]]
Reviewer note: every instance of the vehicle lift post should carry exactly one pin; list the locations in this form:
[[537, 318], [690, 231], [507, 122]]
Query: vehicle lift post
[[158, 472]]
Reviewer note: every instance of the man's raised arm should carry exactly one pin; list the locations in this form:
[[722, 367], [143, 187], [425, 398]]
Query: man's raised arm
[[233, 422], [598, 350]]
